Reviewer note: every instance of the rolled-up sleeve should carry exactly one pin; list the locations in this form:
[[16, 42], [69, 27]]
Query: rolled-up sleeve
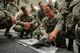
[[59, 25]]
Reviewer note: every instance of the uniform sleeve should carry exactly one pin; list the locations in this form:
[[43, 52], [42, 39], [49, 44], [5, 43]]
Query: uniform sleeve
[[43, 25], [7, 13], [60, 23]]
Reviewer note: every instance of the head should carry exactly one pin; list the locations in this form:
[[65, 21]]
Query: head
[[48, 12], [24, 10], [32, 6], [41, 5], [50, 1]]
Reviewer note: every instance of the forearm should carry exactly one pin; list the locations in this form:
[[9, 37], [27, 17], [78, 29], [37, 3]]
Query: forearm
[[20, 23], [53, 35], [55, 32]]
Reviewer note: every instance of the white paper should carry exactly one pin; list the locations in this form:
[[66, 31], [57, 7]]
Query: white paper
[[29, 42]]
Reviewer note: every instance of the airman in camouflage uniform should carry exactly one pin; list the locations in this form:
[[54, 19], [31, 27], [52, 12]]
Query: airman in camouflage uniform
[[69, 25], [33, 11], [25, 23], [6, 18], [75, 4], [52, 26], [41, 13]]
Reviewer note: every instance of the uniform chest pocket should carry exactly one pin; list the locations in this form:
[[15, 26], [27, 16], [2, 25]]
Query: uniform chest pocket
[[53, 22]]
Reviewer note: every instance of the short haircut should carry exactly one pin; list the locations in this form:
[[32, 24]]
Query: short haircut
[[50, 6], [46, 8], [23, 8], [40, 2]]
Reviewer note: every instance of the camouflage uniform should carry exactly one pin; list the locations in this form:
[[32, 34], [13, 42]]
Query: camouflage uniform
[[5, 17], [25, 18], [75, 4], [34, 12], [13, 7], [69, 25], [59, 4], [48, 25], [41, 15], [9, 7]]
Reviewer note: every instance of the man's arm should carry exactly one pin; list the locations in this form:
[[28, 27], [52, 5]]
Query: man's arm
[[57, 29]]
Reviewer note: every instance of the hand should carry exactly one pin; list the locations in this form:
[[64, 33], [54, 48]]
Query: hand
[[27, 25], [13, 19], [52, 37]]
